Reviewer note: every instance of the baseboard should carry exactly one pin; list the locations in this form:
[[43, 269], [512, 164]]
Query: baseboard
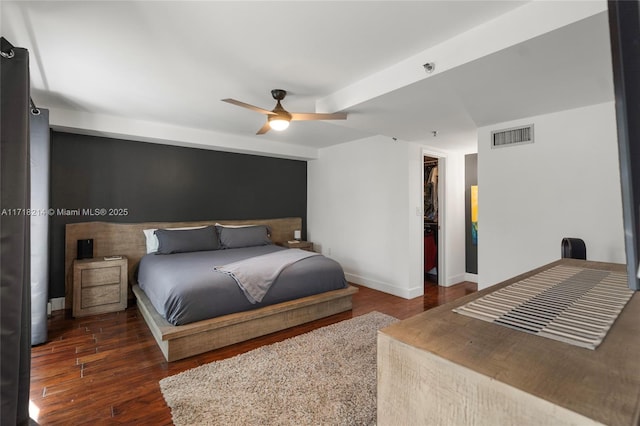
[[471, 277], [405, 293], [453, 280], [57, 304]]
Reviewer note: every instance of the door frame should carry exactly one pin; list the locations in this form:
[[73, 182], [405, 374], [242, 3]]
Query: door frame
[[442, 159]]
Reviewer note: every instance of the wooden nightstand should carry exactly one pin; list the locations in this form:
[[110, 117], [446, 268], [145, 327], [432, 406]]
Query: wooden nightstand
[[99, 286], [303, 245]]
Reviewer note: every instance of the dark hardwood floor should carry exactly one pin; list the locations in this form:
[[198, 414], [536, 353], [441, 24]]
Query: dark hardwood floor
[[105, 369]]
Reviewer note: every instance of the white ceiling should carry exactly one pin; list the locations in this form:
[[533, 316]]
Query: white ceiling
[[171, 62]]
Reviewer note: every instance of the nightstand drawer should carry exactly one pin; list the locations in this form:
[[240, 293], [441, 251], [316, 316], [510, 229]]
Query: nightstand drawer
[[100, 295], [99, 286], [100, 276]]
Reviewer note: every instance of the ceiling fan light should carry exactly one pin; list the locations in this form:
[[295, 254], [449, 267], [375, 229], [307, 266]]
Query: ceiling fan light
[[278, 123]]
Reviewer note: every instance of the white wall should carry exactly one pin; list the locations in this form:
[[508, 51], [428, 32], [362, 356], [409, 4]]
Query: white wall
[[365, 211], [566, 184]]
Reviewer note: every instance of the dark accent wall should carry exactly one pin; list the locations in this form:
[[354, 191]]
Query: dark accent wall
[[164, 183], [470, 178]]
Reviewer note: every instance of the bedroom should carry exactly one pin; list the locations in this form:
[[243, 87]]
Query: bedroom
[[345, 226]]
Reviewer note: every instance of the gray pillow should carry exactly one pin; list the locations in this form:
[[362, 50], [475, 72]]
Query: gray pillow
[[186, 240], [246, 236]]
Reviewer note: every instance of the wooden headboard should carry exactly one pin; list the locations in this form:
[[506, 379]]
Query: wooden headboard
[[127, 239]]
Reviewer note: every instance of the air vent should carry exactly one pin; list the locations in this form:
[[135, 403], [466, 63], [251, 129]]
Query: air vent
[[513, 136]]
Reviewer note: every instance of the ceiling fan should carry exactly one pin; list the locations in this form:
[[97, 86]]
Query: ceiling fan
[[278, 118]]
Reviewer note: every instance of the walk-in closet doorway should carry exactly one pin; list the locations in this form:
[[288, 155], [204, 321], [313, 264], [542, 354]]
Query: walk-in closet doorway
[[433, 194]]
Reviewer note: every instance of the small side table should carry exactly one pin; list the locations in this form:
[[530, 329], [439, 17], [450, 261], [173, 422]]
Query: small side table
[[99, 286], [303, 245]]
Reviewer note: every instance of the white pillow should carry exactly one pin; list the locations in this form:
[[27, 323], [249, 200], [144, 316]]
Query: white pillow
[[152, 240]]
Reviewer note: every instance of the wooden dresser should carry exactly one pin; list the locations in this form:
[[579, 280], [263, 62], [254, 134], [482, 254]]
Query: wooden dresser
[[443, 368], [99, 286]]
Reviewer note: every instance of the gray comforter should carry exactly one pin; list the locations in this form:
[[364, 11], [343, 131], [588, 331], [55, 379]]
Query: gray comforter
[[184, 287]]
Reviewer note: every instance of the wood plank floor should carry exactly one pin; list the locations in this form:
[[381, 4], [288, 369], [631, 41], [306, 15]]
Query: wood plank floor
[[105, 369]]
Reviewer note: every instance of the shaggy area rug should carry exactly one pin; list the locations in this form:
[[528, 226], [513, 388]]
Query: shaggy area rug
[[324, 377]]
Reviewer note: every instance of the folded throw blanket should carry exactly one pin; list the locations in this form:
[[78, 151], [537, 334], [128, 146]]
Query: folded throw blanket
[[256, 274]]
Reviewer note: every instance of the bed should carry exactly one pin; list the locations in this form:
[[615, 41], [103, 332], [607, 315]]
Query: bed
[[197, 326]]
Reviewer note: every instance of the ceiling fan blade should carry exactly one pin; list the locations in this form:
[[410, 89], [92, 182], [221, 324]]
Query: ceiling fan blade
[[264, 129], [307, 116], [248, 106]]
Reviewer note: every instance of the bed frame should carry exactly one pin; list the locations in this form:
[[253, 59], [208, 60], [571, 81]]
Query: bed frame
[[178, 342]]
